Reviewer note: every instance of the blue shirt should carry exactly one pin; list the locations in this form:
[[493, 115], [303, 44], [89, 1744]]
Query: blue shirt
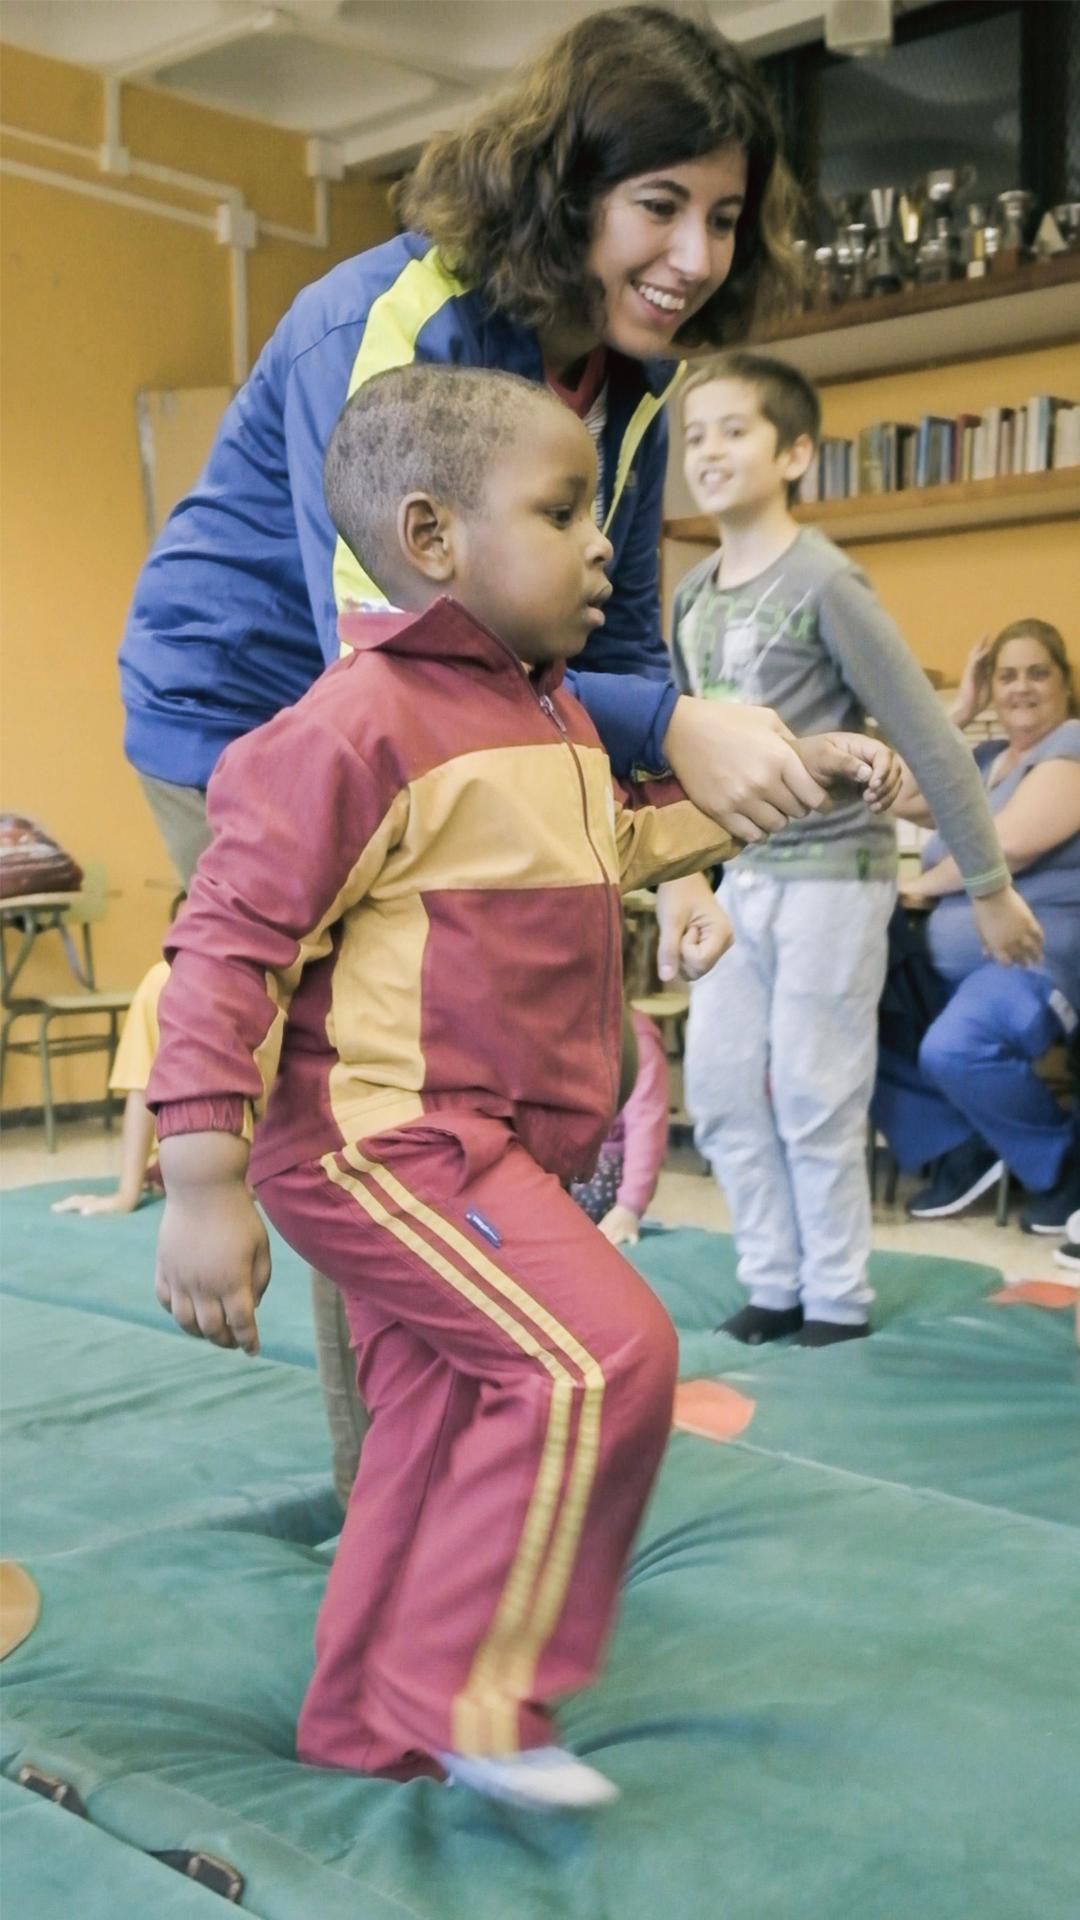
[[235, 611]]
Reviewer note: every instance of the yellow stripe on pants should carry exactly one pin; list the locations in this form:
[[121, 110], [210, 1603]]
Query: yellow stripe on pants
[[484, 1717]]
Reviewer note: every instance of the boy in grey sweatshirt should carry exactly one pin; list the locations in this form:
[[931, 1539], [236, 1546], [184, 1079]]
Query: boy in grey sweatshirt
[[781, 1042]]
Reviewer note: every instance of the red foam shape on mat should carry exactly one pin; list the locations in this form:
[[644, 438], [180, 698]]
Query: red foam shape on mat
[[1036, 1293], [711, 1410]]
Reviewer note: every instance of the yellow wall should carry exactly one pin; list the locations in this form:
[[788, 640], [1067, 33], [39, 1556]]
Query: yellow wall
[[99, 301], [947, 589]]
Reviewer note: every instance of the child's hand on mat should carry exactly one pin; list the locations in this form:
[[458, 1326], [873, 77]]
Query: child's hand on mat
[[1008, 929], [88, 1203], [213, 1259], [621, 1226]]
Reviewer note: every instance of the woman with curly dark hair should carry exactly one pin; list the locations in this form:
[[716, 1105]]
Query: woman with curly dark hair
[[621, 204]]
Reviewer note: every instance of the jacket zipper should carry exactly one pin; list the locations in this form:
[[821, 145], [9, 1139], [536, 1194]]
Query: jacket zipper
[[553, 714]]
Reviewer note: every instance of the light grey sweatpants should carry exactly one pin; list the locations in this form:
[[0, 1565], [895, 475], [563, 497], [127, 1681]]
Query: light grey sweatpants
[[781, 1047], [180, 813]]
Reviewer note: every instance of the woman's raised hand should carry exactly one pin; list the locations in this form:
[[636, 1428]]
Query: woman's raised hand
[[973, 693]]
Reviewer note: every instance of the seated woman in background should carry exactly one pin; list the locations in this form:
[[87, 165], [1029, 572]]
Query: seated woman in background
[[972, 1100]]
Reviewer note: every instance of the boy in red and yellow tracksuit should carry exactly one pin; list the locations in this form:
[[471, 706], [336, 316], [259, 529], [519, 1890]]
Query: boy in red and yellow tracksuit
[[401, 956]]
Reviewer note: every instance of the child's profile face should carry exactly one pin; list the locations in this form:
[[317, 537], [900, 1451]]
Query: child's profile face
[[731, 460], [530, 562]]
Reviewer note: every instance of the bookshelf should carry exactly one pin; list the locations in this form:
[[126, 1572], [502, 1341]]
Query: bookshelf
[[931, 326], [915, 512]]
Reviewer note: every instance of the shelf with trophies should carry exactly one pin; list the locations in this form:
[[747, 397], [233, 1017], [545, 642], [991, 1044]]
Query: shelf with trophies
[[921, 279], [920, 276]]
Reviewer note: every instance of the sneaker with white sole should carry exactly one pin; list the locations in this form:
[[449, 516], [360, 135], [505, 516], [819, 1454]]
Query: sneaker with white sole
[[1068, 1255], [1050, 1212], [546, 1779], [958, 1180]]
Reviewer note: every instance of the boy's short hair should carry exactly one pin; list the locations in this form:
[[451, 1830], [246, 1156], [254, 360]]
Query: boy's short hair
[[785, 396], [423, 429]]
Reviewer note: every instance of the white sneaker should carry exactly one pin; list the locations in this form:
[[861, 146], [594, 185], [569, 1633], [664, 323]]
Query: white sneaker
[[545, 1778]]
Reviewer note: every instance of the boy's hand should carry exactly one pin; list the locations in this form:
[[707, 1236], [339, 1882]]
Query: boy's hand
[[706, 938], [836, 758], [740, 766], [213, 1265], [694, 931], [621, 1226], [213, 1260], [1008, 929]]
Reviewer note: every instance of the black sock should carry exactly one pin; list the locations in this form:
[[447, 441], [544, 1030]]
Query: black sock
[[825, 1333], [754, 1325]]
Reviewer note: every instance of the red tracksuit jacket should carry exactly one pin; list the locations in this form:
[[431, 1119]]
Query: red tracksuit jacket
[[411, 902]]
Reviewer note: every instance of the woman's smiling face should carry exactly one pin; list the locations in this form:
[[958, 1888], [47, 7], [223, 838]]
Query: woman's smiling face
[[663, 243], [1028, 689]]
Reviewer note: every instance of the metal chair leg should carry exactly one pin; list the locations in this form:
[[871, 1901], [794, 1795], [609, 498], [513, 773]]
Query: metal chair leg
[[4, 1031], [46, 1085], [114, 1041], [1002, 1215]]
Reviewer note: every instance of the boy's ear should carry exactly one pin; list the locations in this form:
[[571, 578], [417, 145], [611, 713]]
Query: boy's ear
[[425, 529], [796, 458]]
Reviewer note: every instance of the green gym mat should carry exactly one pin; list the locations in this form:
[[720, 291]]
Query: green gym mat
[[54, 1865], [106, 1265], [843, 1681], [825, 1697], [111, 1430]]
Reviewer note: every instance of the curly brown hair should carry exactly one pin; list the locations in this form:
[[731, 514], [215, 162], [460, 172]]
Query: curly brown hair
[[510, 201]]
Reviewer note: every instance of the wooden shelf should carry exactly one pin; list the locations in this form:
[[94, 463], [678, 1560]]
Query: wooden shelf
[[1037, 305], [967, 505]]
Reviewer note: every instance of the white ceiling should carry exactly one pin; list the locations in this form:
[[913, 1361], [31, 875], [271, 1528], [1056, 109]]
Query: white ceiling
[[374, 76]]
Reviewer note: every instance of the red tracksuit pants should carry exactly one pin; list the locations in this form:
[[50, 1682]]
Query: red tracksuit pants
[[520, 1377]]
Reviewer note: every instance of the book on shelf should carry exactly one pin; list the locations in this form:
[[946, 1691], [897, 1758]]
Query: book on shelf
[[1042, 413], [992, 452], [934, 441], [890, 456], [1067, 438], [837, 472], [964, 429], [886, 456]]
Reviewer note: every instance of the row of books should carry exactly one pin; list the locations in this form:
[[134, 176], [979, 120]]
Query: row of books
[[891, 455]]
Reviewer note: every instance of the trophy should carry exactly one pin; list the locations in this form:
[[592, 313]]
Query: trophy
[[1015, 207], [973, 243], [883, 273], [824, 289], [939, 252], [1068, 221], [803, 272], [852, 260]]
